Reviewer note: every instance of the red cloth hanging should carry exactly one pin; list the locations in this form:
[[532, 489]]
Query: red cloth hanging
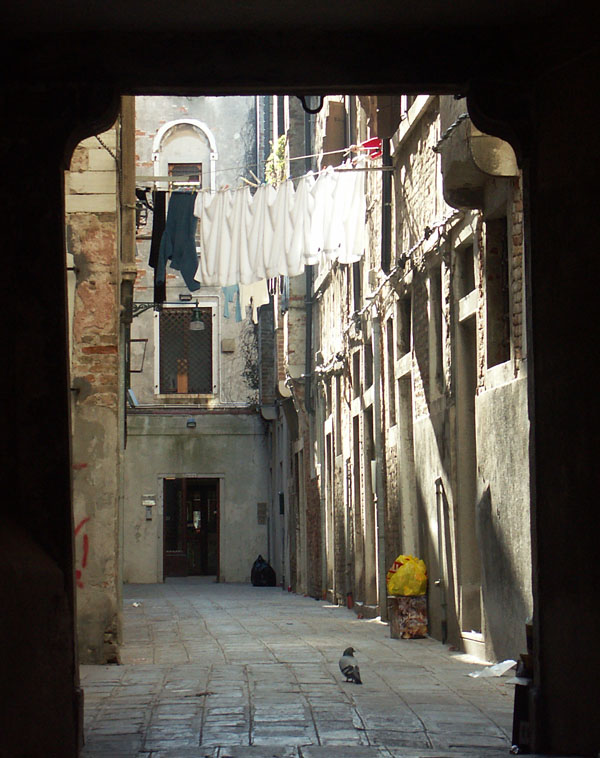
[[374, 146]]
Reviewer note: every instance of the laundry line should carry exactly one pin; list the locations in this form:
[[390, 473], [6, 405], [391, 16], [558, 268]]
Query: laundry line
[[277, 231], [370, 148], [150, 179], [247, 237]]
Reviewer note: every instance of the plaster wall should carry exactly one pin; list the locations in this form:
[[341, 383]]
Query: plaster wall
[[229, 447], [432, 440], [503, 520]]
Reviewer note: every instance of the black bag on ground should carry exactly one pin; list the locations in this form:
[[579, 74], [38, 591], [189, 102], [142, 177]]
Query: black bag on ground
[[262, 574]]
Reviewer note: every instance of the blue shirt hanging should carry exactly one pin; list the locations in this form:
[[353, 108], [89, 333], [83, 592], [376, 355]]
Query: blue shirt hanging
[[230, 293]]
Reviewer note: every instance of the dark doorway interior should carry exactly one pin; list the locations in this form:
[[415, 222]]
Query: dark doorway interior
[[191, 527]]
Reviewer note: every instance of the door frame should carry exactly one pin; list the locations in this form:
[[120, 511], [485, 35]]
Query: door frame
[[161, 506]]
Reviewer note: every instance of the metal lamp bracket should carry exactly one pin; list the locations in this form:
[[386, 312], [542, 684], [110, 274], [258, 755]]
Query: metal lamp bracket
[[318, 109]]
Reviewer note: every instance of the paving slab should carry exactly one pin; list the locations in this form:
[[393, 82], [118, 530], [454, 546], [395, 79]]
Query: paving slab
[[229, 671]]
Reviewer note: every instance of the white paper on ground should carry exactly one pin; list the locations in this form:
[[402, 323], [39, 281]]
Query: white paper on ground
[[496, 670]]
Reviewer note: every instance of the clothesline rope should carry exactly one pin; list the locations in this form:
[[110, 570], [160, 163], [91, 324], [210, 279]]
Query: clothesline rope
[[344, 150], [144, 180], [246, 238]]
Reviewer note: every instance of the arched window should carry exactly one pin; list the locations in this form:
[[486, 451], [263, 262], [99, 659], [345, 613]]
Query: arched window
[[186, 147]]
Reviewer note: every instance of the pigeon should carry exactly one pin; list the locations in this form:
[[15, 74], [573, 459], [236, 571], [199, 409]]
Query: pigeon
[[349, 666]]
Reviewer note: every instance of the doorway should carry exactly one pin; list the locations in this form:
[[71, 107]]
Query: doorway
[[470, 560], [191, 527]]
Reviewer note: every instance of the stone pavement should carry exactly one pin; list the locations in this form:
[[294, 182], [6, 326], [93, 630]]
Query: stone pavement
[[222, 670]]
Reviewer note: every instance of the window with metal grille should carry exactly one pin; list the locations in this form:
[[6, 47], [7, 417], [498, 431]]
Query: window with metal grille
[[186, 355]]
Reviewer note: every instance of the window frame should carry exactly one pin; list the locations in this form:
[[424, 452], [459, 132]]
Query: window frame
[[175, 397]]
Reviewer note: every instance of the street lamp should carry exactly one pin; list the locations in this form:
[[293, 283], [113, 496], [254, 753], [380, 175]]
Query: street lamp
[[196, 323]]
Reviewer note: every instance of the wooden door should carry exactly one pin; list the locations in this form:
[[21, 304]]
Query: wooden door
[[191, 527], [202, 530]]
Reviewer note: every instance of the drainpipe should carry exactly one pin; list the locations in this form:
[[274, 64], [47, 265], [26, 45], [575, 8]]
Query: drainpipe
[[441, 582], [258, 128], [379, 476], [268, 126], [308, 300], [386, 208], [386, 248], [308, 273], [319, 430]]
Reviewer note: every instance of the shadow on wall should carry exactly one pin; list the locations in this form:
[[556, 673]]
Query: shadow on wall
[[505, 604], [442, 606]]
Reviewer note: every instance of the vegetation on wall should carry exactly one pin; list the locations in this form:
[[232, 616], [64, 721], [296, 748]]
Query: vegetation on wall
[[275, 166], [249, 351]]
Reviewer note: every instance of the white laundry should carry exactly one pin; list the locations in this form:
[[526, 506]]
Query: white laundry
[[254, 295], [354, 217], [277, 232], [260, 235], [241, 216], [322, 193], [304, 201], [282, 210], [214, 211], [334, 236]]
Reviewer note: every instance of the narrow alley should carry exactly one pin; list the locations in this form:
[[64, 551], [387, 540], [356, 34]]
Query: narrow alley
[[233, 670], [316, 282]]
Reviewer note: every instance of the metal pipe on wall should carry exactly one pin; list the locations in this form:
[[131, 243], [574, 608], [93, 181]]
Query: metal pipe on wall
[[386, 209], [308, 296], [441, 580], [379, 472]]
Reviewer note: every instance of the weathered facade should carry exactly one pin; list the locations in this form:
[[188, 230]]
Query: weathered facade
[[196, 482], [93, 205], [418, 439]]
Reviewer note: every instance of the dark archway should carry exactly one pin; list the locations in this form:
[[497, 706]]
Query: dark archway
[[530, 75]]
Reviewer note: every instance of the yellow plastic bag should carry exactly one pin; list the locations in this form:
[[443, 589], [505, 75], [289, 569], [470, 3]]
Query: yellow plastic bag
[[408, 576]]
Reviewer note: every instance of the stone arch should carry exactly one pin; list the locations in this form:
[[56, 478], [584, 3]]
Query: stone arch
[[200, 127]]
